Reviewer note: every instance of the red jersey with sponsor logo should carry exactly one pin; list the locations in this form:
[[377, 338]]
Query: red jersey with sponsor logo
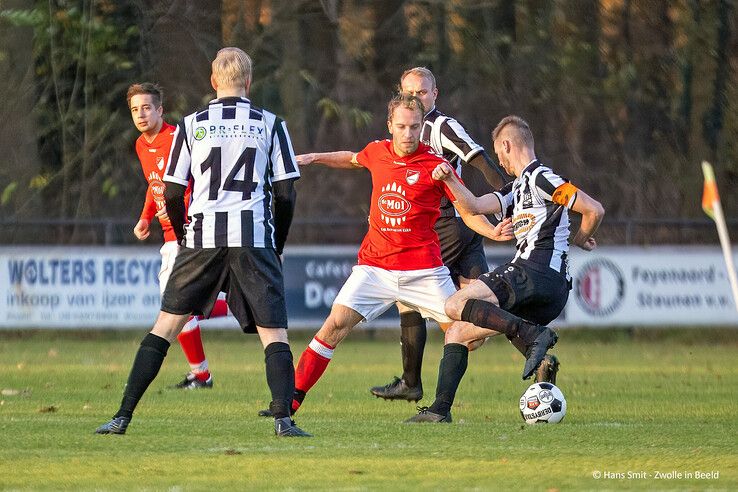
[[153, 157], [404, 208]]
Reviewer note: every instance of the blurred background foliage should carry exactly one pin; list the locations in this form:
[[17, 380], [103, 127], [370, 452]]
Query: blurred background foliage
[[625, 97]]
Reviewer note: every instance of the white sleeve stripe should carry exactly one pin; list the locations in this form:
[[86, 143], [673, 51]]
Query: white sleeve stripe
[[289, 146], [501, 214], [458, 134], [446, 143], [472, 153], [174, 179]]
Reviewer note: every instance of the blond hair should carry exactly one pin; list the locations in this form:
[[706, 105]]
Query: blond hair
[[522, 135], [406, 101], [232, 67]]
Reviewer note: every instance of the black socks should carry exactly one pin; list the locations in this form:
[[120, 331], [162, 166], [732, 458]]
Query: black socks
[[280, 374], [412, 337], [488, 315], [145, 367], [452, 369]]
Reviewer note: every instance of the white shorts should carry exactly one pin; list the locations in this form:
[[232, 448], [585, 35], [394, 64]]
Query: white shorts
[[168, 253], [370, 291]]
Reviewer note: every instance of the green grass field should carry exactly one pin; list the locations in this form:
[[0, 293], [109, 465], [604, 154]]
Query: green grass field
[[638, 403]]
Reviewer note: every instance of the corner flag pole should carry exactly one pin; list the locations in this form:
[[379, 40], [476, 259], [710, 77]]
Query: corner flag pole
[[711, 206]]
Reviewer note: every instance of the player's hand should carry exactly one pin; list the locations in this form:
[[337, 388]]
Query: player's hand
[[504, 231], [161, 214], [442, 172], [305, 159], [141, 231], [587, 245]]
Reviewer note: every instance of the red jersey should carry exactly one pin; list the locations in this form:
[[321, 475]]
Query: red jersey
[[405, 205], [153, 157]]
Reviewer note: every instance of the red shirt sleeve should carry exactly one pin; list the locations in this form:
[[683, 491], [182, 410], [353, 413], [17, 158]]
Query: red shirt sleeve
[[149, 208], [447, 191], [365, 156], [444, 187]]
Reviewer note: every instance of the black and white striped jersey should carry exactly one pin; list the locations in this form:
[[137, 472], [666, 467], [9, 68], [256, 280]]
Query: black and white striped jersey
[[538, 202], [233, 151], [447, 137]]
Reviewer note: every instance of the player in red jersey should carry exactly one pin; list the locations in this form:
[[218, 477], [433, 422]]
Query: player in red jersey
[[152, 147], [400, 257]]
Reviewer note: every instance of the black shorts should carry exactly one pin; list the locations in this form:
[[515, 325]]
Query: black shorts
[[250, 277], [533, 292], [462, 249]]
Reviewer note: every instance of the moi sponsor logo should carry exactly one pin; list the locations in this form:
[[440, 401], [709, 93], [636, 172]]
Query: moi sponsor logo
[[393, 205], [599, 287], [200, 132]]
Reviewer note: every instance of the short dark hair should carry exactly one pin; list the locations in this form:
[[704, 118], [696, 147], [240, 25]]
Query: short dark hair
[[406, 101], [145, 88], [522, 130]]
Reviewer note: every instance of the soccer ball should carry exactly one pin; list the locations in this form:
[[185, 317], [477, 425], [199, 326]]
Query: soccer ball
[[542, 403]]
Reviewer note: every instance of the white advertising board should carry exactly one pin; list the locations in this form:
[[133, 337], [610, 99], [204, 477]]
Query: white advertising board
[[79, 287], [662, 286], [96, 287]]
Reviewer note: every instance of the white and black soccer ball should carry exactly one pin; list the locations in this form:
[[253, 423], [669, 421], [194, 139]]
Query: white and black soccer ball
[[542, 403]]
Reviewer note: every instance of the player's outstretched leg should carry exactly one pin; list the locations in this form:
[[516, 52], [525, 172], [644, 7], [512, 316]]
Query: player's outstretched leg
[[412, 339], [537, 339], [450, 372], [547, 370]]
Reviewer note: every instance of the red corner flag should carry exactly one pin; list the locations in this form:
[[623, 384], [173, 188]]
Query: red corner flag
[[711, 206]]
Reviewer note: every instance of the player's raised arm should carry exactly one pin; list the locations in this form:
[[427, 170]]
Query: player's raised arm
[[592, 213], [465, 201], [342, 159]]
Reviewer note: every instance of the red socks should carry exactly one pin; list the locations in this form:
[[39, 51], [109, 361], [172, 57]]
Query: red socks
[[311, 366], [191, 342], [219, 310]]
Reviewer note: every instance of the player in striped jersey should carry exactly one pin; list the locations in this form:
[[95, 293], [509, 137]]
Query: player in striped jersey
[[461, 248], [242, 165], [153, 147], [533, 288]]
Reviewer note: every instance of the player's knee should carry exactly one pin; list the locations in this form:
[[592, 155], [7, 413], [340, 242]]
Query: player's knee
[[454, 306], [453, 334]]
